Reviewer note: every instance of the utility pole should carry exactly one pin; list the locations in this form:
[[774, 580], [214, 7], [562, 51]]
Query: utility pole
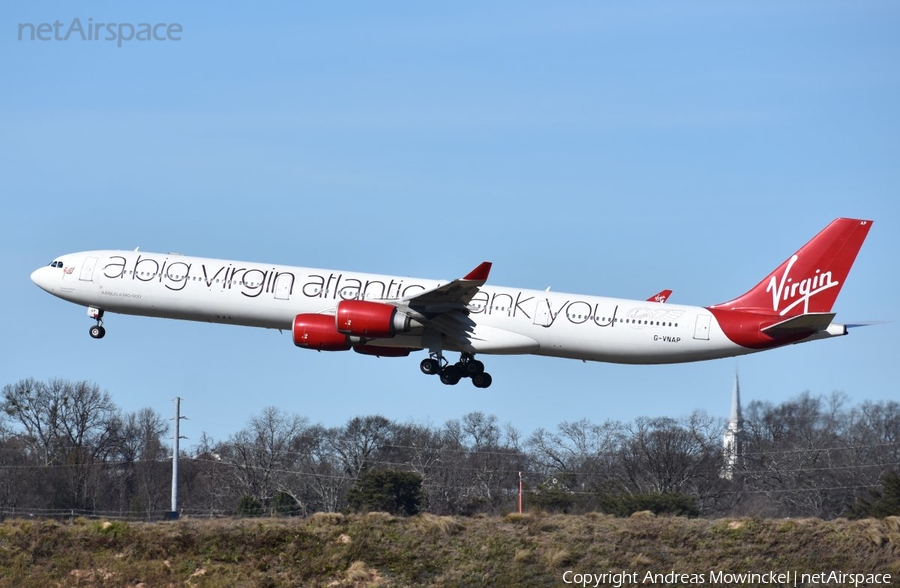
[[173, 514], [520, 492]]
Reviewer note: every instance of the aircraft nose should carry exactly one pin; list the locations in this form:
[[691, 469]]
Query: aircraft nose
[[39, 277]]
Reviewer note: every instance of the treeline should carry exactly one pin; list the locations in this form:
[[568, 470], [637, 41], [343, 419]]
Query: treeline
[[66, 446]]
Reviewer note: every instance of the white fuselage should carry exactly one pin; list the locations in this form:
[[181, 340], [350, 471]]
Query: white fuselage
[[506, 320]]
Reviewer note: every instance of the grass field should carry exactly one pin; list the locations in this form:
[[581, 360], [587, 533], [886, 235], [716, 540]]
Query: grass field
[[376, 549]]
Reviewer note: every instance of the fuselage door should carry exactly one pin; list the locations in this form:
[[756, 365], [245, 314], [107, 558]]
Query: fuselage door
[[701, 329], [87, 270], [283, 284], [542, 313]]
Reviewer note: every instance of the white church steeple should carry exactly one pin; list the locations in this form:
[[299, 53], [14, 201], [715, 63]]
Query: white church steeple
[[734, 434]]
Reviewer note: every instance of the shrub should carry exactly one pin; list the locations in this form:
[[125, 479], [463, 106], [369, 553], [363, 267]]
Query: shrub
[[285, 504], [879, 503], [625, 505], [249, 506], [395, 492]]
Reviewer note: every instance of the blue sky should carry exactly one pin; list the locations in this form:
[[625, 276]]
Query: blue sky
[[591, 147]]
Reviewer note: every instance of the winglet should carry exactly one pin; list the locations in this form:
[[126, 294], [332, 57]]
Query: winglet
[[480, 273]]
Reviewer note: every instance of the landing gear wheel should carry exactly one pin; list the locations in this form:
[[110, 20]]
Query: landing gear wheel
[[430, 366], [97, 331], [473, 367], [482, 380], [450, 375]]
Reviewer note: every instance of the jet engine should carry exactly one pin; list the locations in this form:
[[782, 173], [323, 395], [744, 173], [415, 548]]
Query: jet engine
[[316, 331], [372, 320]]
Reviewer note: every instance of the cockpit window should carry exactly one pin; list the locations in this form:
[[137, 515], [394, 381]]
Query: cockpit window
[[56, 264]]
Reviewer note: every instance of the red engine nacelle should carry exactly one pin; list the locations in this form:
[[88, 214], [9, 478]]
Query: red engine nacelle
[[316, 331], [371, 320]]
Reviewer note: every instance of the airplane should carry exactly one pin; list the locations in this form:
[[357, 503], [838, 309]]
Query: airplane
[[391, 316]]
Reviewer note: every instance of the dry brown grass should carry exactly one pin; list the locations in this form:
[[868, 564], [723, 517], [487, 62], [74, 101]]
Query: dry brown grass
[[361, 575], [520, 517], [383, 551], [326, 519], [893, 524], [555, 557], [643, 514], [430, 524], [523, 556], [876, 535]]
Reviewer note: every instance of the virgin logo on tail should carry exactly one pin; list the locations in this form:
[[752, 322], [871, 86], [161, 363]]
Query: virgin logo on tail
[[786, 289], [811, 278]]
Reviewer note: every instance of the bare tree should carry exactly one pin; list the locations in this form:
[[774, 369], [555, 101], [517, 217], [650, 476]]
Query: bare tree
[[489, 457], [581, 455], [17, 470], [33, 406], [143, 480], [808, 456], [358, 444], [323, 470], [421, 449], [262, 455], [69, 424], [206, 481], [664, 455]]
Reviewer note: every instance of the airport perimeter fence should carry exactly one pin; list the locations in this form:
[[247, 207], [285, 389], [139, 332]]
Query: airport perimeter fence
[[69, 514]]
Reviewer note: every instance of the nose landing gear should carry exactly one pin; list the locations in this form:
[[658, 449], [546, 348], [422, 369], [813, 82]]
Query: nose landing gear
[[97, 331], [451, 374]]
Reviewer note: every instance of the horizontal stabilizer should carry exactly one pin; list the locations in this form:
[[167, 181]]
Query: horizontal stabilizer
[[803, 323]]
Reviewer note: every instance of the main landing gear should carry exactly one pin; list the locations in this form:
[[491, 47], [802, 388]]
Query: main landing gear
[[451, 374], [97, 331]]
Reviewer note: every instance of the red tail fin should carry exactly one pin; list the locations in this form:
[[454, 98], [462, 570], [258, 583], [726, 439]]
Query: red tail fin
[[661, 297], [810, 280]]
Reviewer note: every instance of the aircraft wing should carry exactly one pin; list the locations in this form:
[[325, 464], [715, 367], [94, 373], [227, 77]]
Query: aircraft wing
[[452, 296], [444, 309]]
